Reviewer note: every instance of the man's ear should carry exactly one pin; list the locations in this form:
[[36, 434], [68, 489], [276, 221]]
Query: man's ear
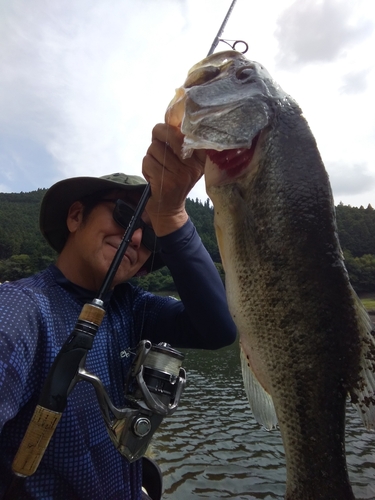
[[75, 215]]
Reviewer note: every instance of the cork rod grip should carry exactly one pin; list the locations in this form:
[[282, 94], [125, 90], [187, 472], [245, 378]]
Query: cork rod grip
[[35, 441], [53, 399], [92, 314]]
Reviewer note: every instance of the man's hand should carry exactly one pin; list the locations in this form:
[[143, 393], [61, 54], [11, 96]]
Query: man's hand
[[171, 178]]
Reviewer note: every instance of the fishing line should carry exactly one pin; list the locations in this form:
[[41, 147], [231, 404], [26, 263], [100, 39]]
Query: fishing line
[[153, 254], [163, 363], [215, 42]]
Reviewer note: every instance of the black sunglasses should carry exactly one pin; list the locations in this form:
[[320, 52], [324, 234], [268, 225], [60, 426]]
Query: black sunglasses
[[123, 214]]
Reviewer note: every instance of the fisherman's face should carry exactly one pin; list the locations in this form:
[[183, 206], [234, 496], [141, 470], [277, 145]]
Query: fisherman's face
[[93, 243]]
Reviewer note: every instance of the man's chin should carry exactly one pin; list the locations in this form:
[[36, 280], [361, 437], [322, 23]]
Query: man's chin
[[125, 272]]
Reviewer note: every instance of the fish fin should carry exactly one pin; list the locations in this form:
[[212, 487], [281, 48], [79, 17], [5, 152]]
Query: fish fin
[[260, 401], [364, 392]]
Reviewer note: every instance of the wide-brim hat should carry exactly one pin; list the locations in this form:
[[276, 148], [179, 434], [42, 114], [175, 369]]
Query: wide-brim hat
[[59, 198]]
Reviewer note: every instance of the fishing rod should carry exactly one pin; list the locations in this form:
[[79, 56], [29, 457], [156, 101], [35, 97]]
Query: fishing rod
[[141, 420], [221, 29], [67, 369], [217, 38]]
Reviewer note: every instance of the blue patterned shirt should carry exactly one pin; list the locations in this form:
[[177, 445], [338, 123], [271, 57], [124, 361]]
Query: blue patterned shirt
[[37, 314]]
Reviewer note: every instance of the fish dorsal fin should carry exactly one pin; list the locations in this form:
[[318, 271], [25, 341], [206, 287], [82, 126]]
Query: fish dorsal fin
[[364, 394], [260, 401]]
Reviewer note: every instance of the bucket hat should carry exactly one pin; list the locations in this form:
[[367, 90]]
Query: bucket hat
[[59, 197]]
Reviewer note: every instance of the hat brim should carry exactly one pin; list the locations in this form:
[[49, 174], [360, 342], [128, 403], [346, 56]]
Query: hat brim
[[59, 198]]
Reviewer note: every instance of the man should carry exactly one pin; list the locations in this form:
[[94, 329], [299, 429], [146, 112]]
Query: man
[[81, 218]]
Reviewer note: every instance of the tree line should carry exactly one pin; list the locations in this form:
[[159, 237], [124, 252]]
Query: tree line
[[23, 250]]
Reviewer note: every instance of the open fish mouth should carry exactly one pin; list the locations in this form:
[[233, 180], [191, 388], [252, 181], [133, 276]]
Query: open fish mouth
[[213, 115], [233, 161]]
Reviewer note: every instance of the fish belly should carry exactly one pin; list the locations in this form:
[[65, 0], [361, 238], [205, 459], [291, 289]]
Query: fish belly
[[298, 338]]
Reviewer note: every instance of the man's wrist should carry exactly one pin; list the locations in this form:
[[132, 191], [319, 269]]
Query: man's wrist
[[175, 244], [169, 223]]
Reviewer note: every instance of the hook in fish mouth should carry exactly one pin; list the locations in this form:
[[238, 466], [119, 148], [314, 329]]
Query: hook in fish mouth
[[233, 161]]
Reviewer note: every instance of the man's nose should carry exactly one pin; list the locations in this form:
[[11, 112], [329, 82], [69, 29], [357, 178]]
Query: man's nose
[[136, 238]]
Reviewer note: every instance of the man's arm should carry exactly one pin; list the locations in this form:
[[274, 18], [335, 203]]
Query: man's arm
[[202, 319], [19, 326]]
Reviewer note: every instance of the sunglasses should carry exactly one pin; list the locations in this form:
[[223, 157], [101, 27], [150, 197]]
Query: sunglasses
[[123, 214]]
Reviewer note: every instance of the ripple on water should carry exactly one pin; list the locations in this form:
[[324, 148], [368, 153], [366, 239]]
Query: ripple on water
[[212, 448]]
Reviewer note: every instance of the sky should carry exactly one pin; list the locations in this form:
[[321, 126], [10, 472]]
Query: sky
[[83, 82]]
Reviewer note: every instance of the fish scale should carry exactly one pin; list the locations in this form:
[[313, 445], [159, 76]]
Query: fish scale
[[306, 340]]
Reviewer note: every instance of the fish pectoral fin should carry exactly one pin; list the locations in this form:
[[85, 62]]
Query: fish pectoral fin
[[260, 401], [364, 391]]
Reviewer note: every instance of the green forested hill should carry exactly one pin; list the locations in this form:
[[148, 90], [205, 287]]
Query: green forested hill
[[356, 229], [19, 231], [24, 251]]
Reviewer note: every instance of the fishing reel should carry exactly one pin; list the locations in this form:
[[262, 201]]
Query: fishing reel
[[153, 389]]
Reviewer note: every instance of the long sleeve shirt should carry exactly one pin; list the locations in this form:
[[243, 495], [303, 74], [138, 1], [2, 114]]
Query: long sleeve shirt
[[37, 314]]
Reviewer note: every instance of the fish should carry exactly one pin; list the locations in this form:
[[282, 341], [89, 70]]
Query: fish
[[306, 341]]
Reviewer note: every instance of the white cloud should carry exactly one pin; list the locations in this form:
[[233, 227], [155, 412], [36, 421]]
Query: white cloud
[[355, 82], [83, 83], [350, 179], [319, 31]]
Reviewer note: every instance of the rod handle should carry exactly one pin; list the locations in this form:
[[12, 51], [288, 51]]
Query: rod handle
[[59, 382], [35, 441]]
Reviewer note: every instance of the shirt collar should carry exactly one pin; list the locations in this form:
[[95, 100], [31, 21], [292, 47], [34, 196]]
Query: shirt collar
[[78, 292]]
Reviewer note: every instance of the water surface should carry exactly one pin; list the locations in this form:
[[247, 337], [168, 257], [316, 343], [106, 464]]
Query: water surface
[[213, 448]]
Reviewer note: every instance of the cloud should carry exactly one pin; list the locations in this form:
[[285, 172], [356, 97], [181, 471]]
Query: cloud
[[311, 31], [355, 82], [82, 83], [350, 179], [24, 162], [77, 82]]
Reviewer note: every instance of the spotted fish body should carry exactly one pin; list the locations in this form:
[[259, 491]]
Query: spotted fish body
[[305, 339]]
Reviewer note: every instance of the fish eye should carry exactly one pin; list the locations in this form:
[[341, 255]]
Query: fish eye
[[245, 74]]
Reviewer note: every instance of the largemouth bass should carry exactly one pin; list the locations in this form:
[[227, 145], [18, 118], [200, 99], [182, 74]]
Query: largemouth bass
[[306, 341]]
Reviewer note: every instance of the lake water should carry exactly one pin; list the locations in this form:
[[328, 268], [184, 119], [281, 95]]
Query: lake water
[[212, 447]]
